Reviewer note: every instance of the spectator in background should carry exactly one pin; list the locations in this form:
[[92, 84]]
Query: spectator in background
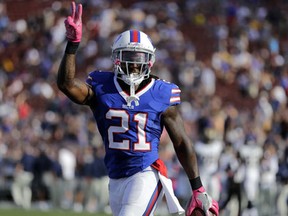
[[67, 161], [282, 176], [208, 79], [23, 176], [95, 180], [235, 172], [268, 185], [41, 166], [21, 187], [209, 149], [251, 152], [54, 180]]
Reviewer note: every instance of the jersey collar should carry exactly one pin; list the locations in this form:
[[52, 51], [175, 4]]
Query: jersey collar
[[125, 95]]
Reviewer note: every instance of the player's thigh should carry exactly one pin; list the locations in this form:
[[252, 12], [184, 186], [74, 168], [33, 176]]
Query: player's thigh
[[139, 194]]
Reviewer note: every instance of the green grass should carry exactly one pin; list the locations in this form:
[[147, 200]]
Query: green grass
[[23, 212]]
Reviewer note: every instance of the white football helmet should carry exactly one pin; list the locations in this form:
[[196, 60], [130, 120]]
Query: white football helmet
[[129, 48]]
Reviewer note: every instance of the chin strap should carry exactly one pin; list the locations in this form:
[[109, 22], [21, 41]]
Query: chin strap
[[132, 96]]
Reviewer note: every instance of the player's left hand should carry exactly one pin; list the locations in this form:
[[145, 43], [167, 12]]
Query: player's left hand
[[73, 24], [201, 199]]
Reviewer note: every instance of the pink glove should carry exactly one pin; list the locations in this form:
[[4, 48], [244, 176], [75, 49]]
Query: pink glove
[[200, 199], [73, 24]]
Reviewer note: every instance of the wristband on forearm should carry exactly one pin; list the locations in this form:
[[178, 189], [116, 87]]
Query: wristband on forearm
[[71, 47], [195, 183]]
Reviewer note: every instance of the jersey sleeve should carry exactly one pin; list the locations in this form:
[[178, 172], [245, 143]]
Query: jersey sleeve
[[175, 95], [99, 77], [91, 80], [168, 93]]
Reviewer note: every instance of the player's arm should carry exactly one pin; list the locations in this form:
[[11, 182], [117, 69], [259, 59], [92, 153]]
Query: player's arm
[[182, 144], [77, 90], [187, 157], [74, 88]]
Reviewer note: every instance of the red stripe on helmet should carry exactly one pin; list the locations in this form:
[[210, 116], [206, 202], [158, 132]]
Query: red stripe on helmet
[[134, 36]]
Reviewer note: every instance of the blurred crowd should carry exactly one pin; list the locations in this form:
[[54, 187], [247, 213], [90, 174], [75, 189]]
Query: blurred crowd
[[234, 101]]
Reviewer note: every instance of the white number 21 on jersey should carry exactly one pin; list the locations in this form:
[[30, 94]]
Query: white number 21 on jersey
[[124, 144]]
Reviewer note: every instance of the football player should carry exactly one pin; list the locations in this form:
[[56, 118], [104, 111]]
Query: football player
[[131, 107]]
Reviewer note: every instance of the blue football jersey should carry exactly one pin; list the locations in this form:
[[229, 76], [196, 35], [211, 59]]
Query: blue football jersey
[[131, 134]]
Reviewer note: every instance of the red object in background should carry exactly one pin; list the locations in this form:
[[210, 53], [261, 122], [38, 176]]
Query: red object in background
[[24, 110]]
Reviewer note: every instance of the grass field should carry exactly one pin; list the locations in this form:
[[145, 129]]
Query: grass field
[[22, 212], [11, 210]]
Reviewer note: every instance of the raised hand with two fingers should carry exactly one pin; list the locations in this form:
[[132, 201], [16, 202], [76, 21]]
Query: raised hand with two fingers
[[73, 24]]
